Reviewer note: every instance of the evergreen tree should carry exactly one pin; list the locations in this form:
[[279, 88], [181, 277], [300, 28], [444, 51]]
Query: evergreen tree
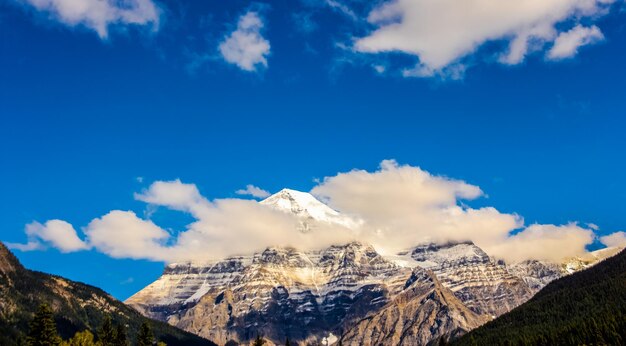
[[145, 336], [120, 336], [106, 333], [84, 338], [259, 341], [287, 343], [43, 329]]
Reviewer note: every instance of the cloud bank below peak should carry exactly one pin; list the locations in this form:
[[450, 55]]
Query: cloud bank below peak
[[397, 206]]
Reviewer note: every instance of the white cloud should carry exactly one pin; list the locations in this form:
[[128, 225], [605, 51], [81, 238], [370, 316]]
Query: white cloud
[[246, 47], [545, 242], [56, 233], [405, 205], [567, 43], [121, 234], [98, 15], [29, 246], [617, 239], [342, 8], [173, 194], [397, 206], [441, 33], [253, 191]]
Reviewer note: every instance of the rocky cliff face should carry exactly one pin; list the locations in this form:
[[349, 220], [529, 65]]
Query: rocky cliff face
[[424, 311], [278, 293], [482, 284]]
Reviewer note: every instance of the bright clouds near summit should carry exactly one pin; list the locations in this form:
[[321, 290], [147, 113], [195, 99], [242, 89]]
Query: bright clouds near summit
[[246, 47], [441, 33], [397, 206], [615, 239], [98, 15], [404, 205]]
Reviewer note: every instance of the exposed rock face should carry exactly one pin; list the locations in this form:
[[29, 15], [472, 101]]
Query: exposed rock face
[[537, 274], [423, 312], [284, 293], [278, 293], [482, 284]]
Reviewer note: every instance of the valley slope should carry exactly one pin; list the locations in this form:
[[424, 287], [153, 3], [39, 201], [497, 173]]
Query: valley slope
[[585, 308], [76, 306]]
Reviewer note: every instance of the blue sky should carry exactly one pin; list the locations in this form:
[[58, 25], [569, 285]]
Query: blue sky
[[86, 109]]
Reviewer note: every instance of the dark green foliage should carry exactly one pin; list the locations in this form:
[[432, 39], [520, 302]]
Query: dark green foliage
[[585, 308], [120, 336], [287, 343], [84, 338], [76, 307], [106, 333], [145, 336], [259, 341], [43, 329]]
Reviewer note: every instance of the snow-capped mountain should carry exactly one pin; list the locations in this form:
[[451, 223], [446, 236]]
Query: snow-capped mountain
[[345, 290], [307, 208]]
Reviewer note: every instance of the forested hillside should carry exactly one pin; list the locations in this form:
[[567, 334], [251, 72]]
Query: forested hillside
[[585, 308], [75, 306]]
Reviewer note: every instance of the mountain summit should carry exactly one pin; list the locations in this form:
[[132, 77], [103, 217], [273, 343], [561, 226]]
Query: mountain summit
[[307, 207], [346, 292]]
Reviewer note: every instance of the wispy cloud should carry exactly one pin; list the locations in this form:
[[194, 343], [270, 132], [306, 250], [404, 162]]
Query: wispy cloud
[[441, 33], [253, 191], [99, 15], [567, 43], [246, 47]]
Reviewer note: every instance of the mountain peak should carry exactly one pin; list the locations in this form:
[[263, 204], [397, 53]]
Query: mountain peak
[[297, 202], [306, 206]]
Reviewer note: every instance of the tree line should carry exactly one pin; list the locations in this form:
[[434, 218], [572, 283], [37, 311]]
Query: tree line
[[43, 332]]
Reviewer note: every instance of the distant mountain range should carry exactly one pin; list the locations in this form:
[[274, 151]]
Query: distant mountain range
[[76, 306], [346, 292]]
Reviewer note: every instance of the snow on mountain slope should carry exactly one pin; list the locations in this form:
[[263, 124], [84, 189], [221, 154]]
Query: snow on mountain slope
[[589, 259], [307, 207], [537, 274], [482, 284], [279, 292]]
